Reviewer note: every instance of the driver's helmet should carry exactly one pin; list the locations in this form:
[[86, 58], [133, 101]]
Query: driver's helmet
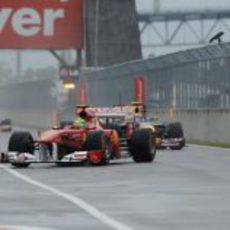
[[83, 114], [86, 113]]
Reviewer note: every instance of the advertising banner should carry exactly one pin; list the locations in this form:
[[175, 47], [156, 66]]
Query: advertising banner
[[41, 24]]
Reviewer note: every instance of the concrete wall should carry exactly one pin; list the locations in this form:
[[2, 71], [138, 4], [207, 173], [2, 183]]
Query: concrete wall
[[206, 125]]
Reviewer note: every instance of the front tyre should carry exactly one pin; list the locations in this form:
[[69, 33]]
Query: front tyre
[[142, 146]]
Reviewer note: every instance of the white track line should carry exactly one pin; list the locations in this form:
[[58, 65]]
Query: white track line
[[75, 200]]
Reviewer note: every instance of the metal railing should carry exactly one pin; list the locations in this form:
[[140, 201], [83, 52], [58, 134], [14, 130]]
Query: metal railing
[[198, 78]]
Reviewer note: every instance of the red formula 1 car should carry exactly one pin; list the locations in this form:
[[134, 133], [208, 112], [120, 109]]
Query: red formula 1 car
[[96, 143]]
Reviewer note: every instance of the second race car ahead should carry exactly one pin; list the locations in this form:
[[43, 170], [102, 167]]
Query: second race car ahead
[[168, 135]]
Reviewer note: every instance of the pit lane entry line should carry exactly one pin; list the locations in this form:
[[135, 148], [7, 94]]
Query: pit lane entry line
[[73, 199]]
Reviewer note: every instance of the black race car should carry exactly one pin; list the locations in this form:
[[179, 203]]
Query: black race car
[[167, 135]]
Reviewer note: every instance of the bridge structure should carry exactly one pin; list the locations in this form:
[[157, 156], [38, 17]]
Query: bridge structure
[[187, 28]]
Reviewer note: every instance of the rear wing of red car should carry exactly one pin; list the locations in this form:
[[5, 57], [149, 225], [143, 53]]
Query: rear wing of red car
[[136, 109], [117, 111]]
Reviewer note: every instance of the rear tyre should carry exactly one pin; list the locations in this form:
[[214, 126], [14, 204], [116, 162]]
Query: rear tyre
[[21, 142], [142, 146]]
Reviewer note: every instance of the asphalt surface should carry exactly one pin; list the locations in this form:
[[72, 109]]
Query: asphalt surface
[[188, 189]]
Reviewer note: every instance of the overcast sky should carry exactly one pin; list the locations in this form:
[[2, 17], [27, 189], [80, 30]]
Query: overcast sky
[[181, 5]]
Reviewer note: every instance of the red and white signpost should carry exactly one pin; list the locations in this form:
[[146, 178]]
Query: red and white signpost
[[139, 89], [82, 94]]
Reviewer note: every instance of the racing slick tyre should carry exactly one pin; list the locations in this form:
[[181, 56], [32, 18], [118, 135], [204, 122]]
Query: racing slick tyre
[[97, 140], [21, 142], [175, 130], [142, 146]]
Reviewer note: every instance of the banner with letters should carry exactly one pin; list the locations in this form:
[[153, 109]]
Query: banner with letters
[[41, 24]]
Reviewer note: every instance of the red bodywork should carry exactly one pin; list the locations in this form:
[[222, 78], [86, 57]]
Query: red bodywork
[[75, 137]]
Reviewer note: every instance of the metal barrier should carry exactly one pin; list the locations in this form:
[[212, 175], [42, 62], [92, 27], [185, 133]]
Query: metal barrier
[[195, 78]]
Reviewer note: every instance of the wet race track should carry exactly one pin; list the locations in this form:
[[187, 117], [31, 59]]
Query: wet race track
[[188, 189]]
